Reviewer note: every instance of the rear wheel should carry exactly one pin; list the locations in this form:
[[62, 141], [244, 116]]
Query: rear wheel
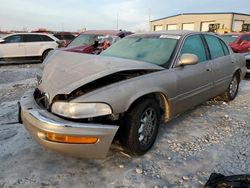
[[232, 89], [141, 126]]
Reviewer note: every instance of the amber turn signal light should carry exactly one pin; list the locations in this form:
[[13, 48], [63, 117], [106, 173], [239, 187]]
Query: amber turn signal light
[[70, 139]]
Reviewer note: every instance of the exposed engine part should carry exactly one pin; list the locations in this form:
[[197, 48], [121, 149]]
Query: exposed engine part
[[113, 117]]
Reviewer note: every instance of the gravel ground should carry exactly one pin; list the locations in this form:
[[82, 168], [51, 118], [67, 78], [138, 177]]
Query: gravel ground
[[213, 137]]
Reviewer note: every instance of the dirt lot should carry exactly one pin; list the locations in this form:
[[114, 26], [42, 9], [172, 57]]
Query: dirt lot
[[213, 137]]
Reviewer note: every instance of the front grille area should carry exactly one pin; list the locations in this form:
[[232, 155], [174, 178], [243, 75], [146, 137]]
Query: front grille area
[[41, 99]]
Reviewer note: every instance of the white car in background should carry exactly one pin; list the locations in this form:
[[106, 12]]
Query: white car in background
[[23, 46]]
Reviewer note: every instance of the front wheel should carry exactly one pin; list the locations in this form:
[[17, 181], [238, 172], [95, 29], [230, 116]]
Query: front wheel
[[232, 89], [141, 126], [45, 53]]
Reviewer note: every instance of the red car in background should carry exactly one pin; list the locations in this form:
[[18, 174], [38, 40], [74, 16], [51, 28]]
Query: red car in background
[[94, 41], [239, 42]]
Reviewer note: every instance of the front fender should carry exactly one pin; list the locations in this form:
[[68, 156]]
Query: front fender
[[121, 95]]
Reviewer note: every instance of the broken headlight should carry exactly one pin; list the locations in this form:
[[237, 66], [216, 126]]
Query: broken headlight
[[81, 110]]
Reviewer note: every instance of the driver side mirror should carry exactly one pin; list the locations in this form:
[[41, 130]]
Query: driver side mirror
[[188, 59], [2, 41]]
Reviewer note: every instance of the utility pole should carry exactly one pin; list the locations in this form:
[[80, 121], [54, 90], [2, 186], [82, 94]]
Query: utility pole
[[149, 18], [117, 21]]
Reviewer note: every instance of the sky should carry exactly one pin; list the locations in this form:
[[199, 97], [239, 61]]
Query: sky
[[133, 15]]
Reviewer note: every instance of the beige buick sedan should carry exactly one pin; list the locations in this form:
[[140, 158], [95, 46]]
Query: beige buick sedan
[[83, 101]]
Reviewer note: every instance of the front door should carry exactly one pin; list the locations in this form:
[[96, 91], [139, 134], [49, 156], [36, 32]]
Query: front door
[[13, 47], [194, 82]]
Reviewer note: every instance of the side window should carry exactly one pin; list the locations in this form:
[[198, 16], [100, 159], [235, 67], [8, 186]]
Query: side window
[[248, 38], [13, 39], [244, 38], [194, 45], [215, 47], [32, 38], [45, 38], [225, 48]]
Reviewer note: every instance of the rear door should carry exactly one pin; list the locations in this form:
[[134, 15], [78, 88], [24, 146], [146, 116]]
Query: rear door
[[32, 44], [194, 82], [221, 61], [13, 47]]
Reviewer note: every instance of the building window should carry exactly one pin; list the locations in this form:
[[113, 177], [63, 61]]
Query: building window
[[205, 25], [158, 28], [237, 25], [172, 27], [188, 26]]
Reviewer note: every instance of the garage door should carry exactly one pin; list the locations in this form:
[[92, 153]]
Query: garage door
[[158, 27], [237, 25], [188, 26], [205, 26], [172, 27]]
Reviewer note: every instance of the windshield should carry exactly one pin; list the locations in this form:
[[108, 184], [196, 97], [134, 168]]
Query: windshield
[[83, 40], [229, 38], [152, 49]]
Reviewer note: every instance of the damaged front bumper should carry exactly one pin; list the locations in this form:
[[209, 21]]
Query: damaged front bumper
[[39, 122]]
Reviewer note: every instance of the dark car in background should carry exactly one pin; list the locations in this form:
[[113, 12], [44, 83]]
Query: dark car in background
[[64, 37], [94, 41], [239, 42]]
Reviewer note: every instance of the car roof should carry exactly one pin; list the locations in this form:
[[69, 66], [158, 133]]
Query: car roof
[[105, 32], [172, 32], [236, 34]]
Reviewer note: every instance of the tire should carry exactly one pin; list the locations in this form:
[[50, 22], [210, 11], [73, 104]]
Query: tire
[[45, 53], [141, 126], [232, 89], [247, 75]]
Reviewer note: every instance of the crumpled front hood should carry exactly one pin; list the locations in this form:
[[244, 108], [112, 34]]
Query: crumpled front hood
[[67, 71]]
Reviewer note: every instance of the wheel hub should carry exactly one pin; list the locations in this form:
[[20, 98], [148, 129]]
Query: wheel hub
[[147, 125], [233, 87]]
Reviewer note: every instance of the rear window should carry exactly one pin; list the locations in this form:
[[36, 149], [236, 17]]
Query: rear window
[[225, 48], [32, 38], [215, 47], [46, 38]]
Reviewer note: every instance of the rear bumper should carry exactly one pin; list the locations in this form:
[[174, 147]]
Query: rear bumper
[[39, 121]]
